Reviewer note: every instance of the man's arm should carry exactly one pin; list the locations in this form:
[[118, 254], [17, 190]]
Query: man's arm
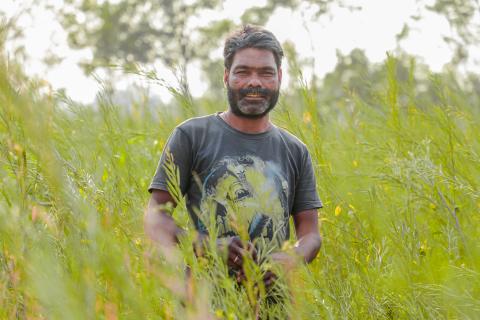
[[158, 224], [308, 240], [306, 229]]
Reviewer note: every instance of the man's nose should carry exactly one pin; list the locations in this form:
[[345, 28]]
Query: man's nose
[[254, 81]]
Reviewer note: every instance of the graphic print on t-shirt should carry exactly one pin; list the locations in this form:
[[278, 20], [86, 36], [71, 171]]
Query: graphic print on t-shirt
[[248, 196]]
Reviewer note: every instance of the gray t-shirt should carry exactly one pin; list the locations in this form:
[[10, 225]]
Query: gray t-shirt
[[238, 183]]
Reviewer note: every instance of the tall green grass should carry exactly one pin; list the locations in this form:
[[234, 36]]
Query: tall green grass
[[399, 179]]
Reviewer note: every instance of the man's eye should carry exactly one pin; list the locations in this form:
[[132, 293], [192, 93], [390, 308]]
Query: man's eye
[[268, 74], [241, 72]]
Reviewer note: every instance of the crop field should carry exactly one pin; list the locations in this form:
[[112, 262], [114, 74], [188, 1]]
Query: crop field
[[399, 177]]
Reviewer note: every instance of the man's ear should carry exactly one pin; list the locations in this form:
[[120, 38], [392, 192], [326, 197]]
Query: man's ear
[[280, 72], [226, 72]]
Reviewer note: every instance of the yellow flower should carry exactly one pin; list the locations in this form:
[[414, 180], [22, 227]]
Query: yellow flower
[[219, 313], [338, 210], [355, 163], [18, 148], [307, 117]]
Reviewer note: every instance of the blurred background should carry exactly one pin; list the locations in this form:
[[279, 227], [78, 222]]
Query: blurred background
[[76, 44]]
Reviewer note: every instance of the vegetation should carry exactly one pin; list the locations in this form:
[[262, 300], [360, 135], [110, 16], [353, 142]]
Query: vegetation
[[398, 168]]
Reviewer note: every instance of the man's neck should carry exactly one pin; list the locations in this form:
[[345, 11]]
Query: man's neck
[[246, 125]]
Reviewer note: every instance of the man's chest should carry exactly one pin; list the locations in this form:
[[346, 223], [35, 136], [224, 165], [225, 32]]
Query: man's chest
[[258, 176], [266, 157], [249, 185]]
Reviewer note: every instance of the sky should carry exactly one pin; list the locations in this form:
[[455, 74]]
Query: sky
[[373, 29]]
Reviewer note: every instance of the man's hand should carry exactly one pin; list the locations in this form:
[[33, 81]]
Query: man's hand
[[305, 249], [269, 279], [236, 251], [287, 260]]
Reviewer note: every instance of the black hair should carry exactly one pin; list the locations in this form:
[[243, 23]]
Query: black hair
[[251, 36]]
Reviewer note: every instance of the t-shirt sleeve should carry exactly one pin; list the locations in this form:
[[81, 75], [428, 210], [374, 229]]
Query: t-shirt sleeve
[[306, 196], [180, 147]]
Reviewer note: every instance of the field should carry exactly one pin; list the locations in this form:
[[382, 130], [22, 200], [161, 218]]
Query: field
[[399, 179]]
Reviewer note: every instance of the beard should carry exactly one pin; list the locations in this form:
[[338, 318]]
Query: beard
[[251, 110]]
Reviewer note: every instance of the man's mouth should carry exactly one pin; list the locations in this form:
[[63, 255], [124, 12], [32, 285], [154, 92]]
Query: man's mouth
[[254, 95]]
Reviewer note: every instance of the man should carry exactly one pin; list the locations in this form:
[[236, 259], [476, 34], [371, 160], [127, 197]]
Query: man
[[241, 170]]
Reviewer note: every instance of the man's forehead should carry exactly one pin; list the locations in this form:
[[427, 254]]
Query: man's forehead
[[254, 58]]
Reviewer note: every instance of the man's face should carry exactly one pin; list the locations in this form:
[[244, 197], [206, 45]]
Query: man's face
[[253, 82]]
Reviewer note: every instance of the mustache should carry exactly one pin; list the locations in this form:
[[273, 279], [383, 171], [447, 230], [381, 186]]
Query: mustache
[[256, 91]]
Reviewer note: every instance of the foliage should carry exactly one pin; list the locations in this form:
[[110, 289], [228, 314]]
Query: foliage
[[260, 14]]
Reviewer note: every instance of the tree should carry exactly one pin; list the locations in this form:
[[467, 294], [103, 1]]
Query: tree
[[463, 17], [127, 32], [124, 33], [11, 34]]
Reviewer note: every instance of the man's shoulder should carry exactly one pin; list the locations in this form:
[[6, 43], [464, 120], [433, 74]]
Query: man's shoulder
[[192, 125], [291, 139]]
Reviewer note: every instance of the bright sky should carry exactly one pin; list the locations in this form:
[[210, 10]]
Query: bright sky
[[373, 29]]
